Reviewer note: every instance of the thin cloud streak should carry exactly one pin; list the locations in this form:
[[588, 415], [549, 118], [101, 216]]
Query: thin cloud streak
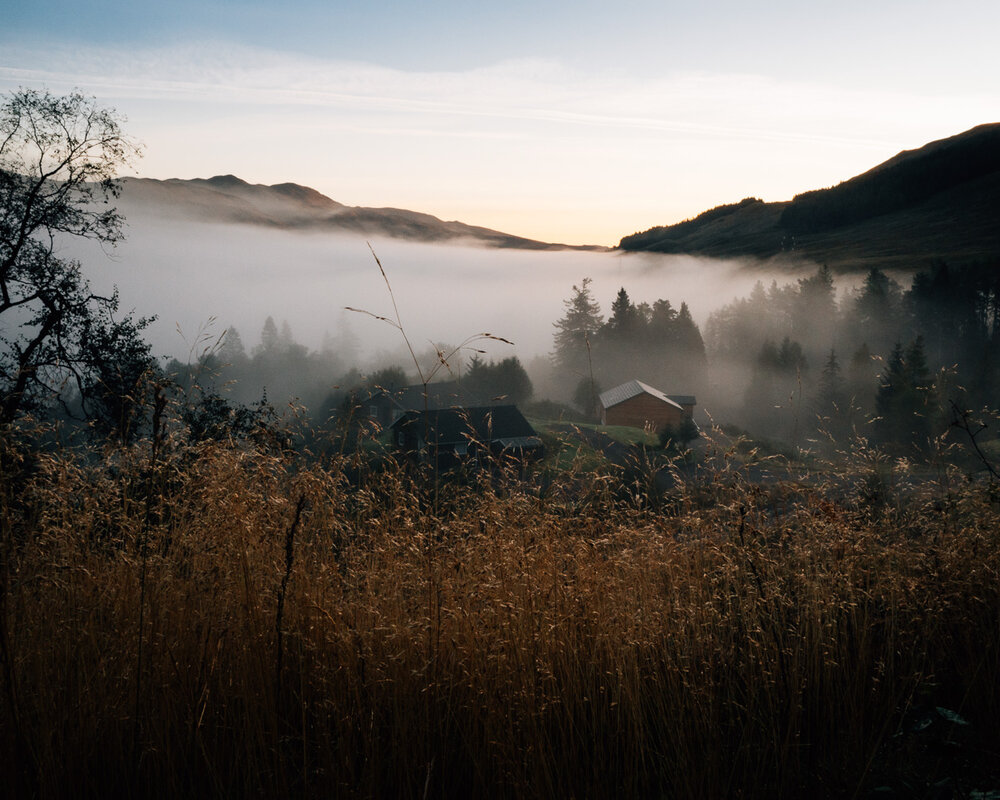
[[530, 90]]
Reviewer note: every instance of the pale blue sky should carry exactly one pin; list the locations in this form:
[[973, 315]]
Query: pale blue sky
[[577, 121]]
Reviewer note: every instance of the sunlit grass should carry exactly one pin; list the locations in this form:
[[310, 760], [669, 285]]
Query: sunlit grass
[[569, 638]]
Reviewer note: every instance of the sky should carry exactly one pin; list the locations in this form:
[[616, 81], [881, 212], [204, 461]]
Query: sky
[[576, 122]]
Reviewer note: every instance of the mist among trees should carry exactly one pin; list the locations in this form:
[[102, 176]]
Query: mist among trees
[[880, 353], [797, 362]]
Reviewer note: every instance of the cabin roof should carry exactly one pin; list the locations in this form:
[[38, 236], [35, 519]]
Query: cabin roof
[[633, 388], [504, 425]]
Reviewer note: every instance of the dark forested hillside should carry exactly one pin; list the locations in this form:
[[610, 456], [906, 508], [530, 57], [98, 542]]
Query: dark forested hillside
[[937, 202]]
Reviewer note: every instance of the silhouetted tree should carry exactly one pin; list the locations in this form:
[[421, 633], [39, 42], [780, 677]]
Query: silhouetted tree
[[738, 330], [773, 399], [388, 378], [902, 400], [576, 330], [876, 315], [214, 417], [232, 351], [814, 311], [269, 337], [688, 337], [662, 321], [831, 387], [832, 403], [624, 319], [58, 159], [504, 381], [113, 391]]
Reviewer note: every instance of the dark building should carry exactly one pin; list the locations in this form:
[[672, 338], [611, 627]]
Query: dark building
[[385, 406], [450, 436]]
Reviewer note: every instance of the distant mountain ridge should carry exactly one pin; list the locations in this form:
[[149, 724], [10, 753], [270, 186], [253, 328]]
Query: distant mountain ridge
[[230, 200], [941, 201]]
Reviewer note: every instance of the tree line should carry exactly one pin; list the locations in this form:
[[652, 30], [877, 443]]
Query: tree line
[[797, 361], [655, 342]]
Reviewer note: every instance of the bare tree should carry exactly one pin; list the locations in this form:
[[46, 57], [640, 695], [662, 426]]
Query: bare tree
[[59, 156]]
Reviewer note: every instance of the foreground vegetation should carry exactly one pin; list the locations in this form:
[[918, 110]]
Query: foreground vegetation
[[236, 619]]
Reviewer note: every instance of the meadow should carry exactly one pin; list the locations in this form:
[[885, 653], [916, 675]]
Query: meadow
[[242, 618]]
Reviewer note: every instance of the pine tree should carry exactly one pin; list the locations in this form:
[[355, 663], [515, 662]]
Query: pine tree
[[474, 378], [688, 337], [285, 338], [902, 400], [624, 317], [790, 357], [268, 336], [232, 351], [831, 382], [877, 312], [815, 310], [919, 391], [662, 322], [887, 398], [832, 404], [916, 365], [576, 330]]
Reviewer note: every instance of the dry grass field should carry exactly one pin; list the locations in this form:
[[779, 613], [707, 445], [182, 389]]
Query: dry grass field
[[236, 620]]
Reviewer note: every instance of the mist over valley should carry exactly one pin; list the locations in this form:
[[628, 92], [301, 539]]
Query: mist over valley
[[209, 255], [188, 274]]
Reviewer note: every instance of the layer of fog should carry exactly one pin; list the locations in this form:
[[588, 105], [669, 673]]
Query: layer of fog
[[204, 278]]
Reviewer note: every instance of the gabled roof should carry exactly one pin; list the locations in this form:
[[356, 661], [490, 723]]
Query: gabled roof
[[613, 397], [503, 425], [683, 399]]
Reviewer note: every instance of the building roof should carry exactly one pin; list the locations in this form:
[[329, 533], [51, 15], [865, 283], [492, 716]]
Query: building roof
[[502, 425], [683, 399], [613, 397]]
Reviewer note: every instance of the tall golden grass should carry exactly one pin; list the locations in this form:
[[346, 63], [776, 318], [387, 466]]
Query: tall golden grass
[[726, 639]]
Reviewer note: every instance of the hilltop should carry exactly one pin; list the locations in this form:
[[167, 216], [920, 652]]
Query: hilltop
[[936, 202], [228, 199]]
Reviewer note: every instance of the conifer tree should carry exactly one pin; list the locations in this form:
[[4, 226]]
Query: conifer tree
[[624, 317], [815, 310], [832, 404], [576, 330], [688, 337], [902, 400], [232, 351], [268, 336]]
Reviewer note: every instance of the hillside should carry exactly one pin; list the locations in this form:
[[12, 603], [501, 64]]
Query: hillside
[[937, 202], [229, 200]]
